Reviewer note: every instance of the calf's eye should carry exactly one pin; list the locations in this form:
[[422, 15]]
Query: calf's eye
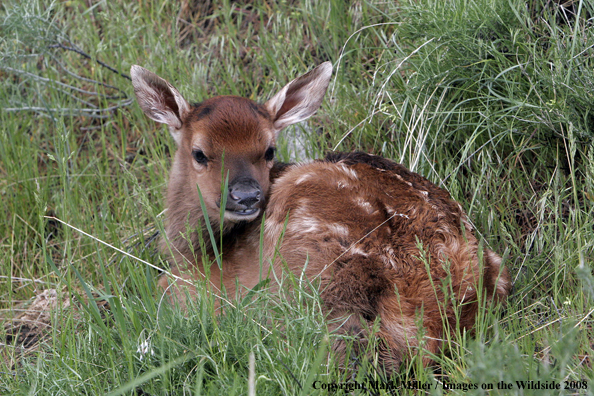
[[199, 157], [269, 154]]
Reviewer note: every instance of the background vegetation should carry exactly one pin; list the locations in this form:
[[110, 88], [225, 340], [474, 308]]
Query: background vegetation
[[491, 99]]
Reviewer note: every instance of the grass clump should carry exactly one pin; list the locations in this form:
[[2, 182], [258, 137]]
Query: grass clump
[[491, 100]]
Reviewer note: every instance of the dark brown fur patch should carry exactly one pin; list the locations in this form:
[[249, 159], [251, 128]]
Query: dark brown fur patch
[[238, 123]]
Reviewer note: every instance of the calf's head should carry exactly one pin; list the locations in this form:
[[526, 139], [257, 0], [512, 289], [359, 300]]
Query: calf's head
[[225, 136]]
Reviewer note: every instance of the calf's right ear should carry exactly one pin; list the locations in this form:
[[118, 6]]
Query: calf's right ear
[[159, 100]]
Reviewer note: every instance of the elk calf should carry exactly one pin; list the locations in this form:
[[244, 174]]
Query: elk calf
[[383, 241], [227, 132]]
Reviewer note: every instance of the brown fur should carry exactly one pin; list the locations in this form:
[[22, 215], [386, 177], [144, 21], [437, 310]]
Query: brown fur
[[385, 244]]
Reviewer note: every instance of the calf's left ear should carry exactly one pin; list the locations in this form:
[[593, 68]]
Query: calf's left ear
[[301, 98]]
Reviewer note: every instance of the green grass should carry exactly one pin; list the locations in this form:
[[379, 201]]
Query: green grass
[[492, 100]]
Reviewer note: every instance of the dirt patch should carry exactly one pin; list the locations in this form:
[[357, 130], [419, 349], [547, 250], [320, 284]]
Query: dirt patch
[[27, 324]]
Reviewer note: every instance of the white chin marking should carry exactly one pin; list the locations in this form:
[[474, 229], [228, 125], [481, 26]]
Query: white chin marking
[[237, 217]]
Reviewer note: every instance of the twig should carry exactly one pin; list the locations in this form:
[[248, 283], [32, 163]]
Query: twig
[[49, 81], [84, 54], [89, 80], [93, 113]]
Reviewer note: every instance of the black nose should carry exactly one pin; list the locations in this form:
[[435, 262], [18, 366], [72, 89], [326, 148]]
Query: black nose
[[244, 192]]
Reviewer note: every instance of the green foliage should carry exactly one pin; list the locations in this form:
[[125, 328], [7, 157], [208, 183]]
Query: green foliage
[[490, 99]]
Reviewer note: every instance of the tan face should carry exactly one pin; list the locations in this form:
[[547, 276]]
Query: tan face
[[235, 134], [225, 135]]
